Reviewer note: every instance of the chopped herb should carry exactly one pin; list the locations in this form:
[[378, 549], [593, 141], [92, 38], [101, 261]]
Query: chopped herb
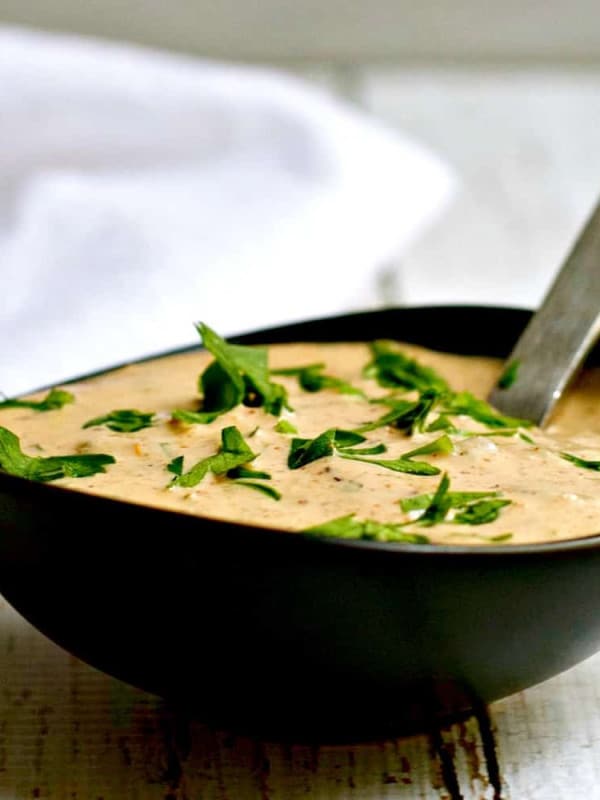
[[234, 452], [176, 465], [270, 491], [349, 528], [304, 451], [374, 450], [246, 472], [283, 426], [581, 462], [15, 462], [501, 537], [509, 376], [439, 506], [442, 423], [464, 403], [481, 513], [312, 379], [56, 398], [334, 440], [239, 374], [405, 415], [405, 464], [499, 432], [124, 420], [526, 438], [474, 508], [443, 445], [392, 368], [195, 417], [457, 499]]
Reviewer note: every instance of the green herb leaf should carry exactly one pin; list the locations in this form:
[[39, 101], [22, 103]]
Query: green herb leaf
[[246, 472], [442, 423], [581, 462], [474, 508], [239, 374], [270, 491], [283, 426], [234, 452], [501, 537], [457, 499], [405, 463], [334, 440], [439, 506], [305, 451], [526, 438], [349, 528], [15, 462], [176, 465], [400, 465], [195, 417], [373, 450], [464, 403], [405, 415], [56, 398], [441, 446], [392, 368], [124, 420], [481, 513], [509, 376], [312, 379]]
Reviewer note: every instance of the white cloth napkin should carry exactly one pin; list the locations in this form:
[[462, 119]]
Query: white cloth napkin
[[141, 192]]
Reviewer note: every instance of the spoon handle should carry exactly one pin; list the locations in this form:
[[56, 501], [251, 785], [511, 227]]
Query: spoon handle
[[559, 335]]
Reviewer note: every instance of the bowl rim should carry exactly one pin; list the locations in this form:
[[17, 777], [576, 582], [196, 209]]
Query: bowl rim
[[588, 542]]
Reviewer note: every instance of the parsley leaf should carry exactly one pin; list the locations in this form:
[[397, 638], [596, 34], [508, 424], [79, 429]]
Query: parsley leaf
[[312, 379], [176, 465], [349, 528], [474, 508], [304, 451], [239, 374], [439, 505], [392, 368], [270, 491], [501, 537], [441, 446], [15, 462], [56, 398], [509, 376], [195, 417], [334, 440], [482, 512], [464, 403], [283, 426], [246, 472], [405, 415], [123, 420], [581, 462], [234, 452]]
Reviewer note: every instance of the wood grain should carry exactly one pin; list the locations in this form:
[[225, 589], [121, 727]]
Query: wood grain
[[69, 732]]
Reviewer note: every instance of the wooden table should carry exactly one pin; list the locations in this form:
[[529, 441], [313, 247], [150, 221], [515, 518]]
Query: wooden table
[[69, 732]]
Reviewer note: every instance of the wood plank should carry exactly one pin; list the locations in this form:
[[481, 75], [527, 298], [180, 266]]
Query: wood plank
[[68, 731]]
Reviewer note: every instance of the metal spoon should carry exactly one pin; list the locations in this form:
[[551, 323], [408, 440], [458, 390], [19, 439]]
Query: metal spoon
[[559, 336]]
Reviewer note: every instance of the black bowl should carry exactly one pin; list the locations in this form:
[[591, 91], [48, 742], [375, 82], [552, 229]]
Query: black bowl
[[290, 637]]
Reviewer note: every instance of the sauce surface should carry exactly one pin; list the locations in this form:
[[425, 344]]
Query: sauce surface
[[550, 498]]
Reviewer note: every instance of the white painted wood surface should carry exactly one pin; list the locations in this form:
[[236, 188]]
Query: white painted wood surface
[[69, 732]]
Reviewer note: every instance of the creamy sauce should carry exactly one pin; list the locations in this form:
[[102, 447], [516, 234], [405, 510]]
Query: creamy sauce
[[551, 498]]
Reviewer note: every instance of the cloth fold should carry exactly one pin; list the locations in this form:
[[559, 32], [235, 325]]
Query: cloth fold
[[143, 191]]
